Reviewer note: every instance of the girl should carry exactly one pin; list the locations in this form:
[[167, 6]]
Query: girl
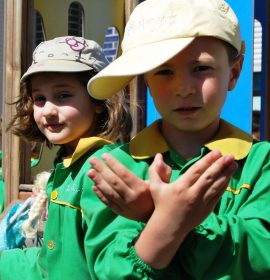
[[55, 107]]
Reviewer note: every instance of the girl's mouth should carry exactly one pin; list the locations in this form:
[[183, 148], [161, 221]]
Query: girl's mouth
[[53, 127]]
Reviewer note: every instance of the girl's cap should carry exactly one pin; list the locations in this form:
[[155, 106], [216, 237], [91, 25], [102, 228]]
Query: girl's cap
[[66, 54], [159, 29]]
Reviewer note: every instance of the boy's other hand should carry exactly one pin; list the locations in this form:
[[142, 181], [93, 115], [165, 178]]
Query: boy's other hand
[[120, 189]]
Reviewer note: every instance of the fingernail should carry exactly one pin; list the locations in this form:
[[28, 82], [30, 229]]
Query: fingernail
[[105, 156], [93, 161], [216, 153]]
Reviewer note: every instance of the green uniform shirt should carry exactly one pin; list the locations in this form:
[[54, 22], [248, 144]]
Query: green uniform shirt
[[83, 239], [233, 242]]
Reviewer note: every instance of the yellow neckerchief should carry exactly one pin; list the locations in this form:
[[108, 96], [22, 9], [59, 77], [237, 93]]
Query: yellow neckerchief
[[229, 140], [84, 145]]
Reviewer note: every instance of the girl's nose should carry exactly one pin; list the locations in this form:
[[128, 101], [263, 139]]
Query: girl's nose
[[50, 109]]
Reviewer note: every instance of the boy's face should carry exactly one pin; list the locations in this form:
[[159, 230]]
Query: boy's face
[[190, 89], [63, 110]]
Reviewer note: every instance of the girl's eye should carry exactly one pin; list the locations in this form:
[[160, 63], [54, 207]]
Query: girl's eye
[[39, 99], [202, 68], [63, 95], [163, 72]]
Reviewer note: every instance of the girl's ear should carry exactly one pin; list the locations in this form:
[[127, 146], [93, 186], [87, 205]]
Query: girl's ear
[[236, 68]]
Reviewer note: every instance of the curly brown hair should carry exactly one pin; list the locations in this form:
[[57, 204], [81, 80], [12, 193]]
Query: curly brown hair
[[113, 123]]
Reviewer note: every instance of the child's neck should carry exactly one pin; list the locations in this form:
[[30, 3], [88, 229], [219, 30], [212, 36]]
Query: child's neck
[[188, 143]]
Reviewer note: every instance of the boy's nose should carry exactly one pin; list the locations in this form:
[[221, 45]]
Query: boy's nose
[[183, 86]]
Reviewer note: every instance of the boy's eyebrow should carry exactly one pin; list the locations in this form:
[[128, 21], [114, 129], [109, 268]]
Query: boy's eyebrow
[[193, 61]]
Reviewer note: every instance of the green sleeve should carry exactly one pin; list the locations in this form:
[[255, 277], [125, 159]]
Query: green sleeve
[[109, 243], [234, 241], [21, 264]]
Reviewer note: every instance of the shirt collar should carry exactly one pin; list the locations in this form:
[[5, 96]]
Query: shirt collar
[[229, 140], [85, 145]]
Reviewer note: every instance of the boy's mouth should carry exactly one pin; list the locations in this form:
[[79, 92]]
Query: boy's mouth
[[187, 110]]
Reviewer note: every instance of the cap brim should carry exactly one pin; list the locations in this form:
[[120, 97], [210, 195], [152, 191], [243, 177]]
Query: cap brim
[[140, 60], [55, 66]]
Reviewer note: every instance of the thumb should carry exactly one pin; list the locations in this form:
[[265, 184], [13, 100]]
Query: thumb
[[163, 169], [159, 171]]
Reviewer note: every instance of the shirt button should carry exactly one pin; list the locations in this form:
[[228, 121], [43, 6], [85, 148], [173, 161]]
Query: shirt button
[[50, 244], [54, 195]]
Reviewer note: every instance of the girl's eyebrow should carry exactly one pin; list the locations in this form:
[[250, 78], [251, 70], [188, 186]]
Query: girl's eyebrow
[[34, 90], [60, 85], [63, 85]]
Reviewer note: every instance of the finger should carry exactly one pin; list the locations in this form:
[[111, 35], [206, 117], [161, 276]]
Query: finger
[[98, 165], [100, 195], [220, 184], [103, 198], [120, 170], [163, 169], [216, 196], [154, 175], [211, 180], [192, 175], [113, 180], [106, 190]]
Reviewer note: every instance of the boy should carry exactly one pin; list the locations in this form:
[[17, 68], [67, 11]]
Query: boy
[[190, 53]]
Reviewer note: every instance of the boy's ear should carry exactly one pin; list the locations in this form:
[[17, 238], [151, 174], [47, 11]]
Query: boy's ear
[[146, 83], [235, 71]]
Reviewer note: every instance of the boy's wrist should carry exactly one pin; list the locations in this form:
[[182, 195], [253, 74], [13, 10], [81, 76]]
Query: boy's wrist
[[159, 241]]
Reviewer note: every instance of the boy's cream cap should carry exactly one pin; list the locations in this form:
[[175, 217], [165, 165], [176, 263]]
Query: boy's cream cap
[[66, 54], [159, 29]]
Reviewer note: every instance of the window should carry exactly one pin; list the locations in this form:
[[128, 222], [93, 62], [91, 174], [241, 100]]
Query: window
[[76, 19], [38, 32], [111, 43]]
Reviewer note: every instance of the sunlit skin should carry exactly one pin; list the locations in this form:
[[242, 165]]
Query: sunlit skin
[[63, 110], [189, 91]]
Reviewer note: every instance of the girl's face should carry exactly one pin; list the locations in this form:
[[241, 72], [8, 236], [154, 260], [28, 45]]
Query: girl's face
[[63, 109], [190, 89]]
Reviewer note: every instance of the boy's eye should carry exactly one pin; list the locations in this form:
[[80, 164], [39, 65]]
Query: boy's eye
[[164, 72], [202, 68]]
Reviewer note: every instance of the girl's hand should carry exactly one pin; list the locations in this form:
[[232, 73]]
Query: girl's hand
[[121, 190]]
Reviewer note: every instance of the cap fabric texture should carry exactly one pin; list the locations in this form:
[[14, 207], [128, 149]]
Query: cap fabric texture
[[67, 54], [159, 29]]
